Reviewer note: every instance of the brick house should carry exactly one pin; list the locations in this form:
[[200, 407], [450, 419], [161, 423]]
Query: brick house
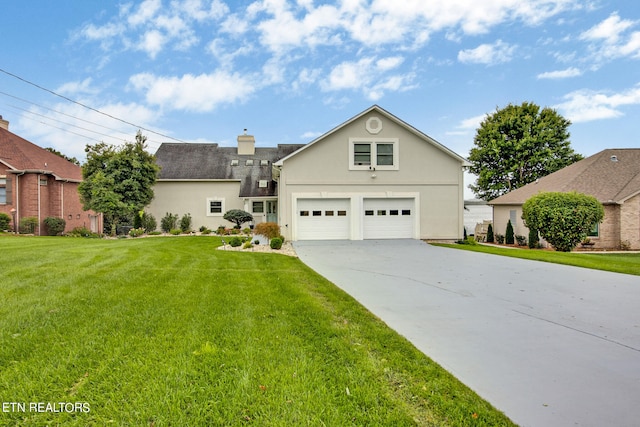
[[37, 183], [612, 176]]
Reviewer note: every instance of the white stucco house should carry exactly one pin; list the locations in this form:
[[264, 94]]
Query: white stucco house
[[372, 177]]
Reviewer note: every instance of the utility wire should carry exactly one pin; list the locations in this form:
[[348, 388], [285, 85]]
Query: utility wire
[[86, 106]]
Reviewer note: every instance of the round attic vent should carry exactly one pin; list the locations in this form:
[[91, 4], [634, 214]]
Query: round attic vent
[[373, 125], [614, 158]]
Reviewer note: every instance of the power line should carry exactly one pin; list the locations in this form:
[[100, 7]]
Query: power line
[[88, 107]]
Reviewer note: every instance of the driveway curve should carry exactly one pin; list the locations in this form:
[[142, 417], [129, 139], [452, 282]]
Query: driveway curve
[[547, 344]]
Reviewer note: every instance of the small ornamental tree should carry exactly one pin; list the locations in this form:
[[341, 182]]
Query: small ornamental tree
[[490, 234], [508, 237], [238, 217], [563, 219], [4, 221]]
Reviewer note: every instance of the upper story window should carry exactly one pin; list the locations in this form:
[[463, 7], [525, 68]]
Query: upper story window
[[375, 153]]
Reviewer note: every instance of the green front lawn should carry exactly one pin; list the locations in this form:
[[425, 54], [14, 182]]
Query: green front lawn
[[628, 263], [169, 331]]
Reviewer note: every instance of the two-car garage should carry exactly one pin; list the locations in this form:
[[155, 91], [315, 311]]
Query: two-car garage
[[355, 218]]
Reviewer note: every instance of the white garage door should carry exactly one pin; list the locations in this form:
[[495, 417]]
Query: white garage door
[[323, 219], [388, 218]]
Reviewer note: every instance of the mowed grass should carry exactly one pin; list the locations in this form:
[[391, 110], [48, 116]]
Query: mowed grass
[[627, 263], [169, 331]]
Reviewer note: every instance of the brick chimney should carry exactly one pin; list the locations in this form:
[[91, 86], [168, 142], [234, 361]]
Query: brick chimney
[[4, 124], [246, 144]]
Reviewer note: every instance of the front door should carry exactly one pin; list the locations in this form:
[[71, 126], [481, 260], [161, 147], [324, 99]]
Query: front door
[[272, 211]]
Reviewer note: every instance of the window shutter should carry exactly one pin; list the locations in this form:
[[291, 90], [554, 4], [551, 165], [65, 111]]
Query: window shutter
[[9, 191]]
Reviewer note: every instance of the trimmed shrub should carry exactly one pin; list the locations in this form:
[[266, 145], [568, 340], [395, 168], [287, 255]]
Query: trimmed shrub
[[235, 241], [185, 223], [148, 222], [276, 243], [522, 240], [247, 245], [563, 219], [175, 231], [81, 232], [267, 229], [169, 222], [28, 224], [534, 240], [54, 225], [508, 238], [499, 239], [4, 221], [490, 234]]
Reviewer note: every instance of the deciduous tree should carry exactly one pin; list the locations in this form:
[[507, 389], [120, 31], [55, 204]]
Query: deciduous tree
[[517, 145], [118, 181]]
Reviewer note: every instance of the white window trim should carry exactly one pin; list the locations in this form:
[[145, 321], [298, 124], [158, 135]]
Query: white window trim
[[373, 142], [208, 206], [263, 207]]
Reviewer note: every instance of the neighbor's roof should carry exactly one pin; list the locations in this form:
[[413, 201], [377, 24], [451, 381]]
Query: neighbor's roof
[[391, 117], [19, 155], [611, 176], [179, 161]]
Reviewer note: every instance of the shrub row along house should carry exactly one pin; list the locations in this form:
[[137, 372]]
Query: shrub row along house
[[35, 183], [374, 176], [612, 176]]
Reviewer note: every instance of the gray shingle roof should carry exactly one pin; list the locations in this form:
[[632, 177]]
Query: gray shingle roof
[[608, 180], [180, 161]]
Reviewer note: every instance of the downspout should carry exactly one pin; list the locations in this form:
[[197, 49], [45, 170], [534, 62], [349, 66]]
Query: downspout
[[18, 199], [38, 184]]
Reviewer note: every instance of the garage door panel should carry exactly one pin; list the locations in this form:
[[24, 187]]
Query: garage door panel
[[323, 219], [388, 218]]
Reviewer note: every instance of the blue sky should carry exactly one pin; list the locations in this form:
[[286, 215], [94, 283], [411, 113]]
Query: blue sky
[[203, 70]]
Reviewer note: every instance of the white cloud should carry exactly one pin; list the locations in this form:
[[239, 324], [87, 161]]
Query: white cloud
[[609, 30], [74, 88], [70, 127], [488, 54], [472, 122], [612, 39], [560, 74], [589, 105], [152, 42], [194, 93]]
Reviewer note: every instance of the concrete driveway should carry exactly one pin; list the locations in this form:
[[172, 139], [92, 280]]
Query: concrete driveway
[[549, 345]]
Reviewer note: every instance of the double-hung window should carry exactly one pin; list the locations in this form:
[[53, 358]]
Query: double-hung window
[[373, 154], [215, 207]]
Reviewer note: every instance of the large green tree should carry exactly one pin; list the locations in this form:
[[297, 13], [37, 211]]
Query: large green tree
[[563, 219], [118, 181], [517, 145]]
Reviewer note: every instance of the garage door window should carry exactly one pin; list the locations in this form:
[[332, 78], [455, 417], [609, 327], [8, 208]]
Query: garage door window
[[317, 213], [328, 213], [304, 213], [393, 212], [368, 213], [382, 213], [406, 212], [342, 213]]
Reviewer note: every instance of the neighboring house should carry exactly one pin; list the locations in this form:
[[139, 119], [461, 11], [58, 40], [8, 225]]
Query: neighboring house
[[612, 176], [374, 176], [37, 183]]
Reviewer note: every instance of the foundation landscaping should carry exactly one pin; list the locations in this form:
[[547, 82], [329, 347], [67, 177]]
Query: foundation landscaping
[[171, 331]]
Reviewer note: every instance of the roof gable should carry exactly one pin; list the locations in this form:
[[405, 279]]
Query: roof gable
[[611, 176], [388, 115], [21, 155]]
